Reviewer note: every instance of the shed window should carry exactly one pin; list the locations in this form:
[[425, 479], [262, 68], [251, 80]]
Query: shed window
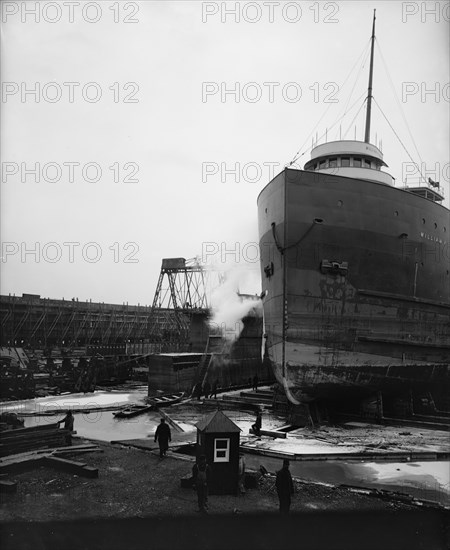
[[357, 162], [366, 163], [221, 450], [345, 161], [322, 164], [333, 163]]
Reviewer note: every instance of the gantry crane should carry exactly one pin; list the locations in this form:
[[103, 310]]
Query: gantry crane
[[183, 290]]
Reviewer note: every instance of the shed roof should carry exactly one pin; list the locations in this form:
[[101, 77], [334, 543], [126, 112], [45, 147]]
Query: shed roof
[[217, 422]]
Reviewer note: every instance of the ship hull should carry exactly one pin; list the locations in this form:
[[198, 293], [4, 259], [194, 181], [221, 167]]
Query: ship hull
[[357, 278]]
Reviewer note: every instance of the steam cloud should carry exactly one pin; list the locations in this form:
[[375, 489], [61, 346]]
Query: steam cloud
[[229, 308]]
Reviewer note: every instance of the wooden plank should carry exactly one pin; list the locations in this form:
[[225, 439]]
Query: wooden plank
[[22, 464], [70, 466], [49, 437], [35, 458], [56, 452], [266, 452], [286, 427], [64, 464], [57, 434], [56, 439], [23, 456], [78, 449], [31, 445], [270, 433], [30, 437], [20, 431], [70, 448], [33, 436]]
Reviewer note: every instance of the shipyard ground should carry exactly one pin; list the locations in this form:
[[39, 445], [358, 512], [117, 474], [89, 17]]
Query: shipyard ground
[[137, 502]]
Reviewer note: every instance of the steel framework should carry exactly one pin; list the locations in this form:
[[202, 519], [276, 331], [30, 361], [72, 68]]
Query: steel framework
[[41, 322], [183, 290], [184, 285]]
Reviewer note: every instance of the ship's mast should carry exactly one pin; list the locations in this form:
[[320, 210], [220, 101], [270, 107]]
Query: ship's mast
[[369, 92]]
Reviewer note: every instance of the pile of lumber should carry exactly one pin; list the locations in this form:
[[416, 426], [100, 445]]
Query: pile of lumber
[[34, 459], [27, 439]]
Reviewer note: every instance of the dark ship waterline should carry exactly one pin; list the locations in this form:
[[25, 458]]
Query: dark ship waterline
[[356, 274]]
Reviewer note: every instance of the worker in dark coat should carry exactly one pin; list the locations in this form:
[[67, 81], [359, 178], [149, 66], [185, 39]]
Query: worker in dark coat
[[200, 477], [214, 389], [163, 436], [68, 425], [285, 487], [68, 421], [197, 393], [206, 389], [256, 427]]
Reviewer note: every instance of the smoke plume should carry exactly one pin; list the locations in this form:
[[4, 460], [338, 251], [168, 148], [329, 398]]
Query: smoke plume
[[229, 307]]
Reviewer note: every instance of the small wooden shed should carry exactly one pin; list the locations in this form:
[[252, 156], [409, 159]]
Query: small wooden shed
[[218, 439]]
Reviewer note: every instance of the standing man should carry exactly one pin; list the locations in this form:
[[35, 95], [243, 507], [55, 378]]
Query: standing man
[[68, 421], [197, 393], [68, 425], [285, 487], [256, 427], [255, 382], [214, 388], [200, 475], [163, 436], [206, 389]]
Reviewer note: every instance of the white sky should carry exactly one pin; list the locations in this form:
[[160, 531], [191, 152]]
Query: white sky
[[170, 131]]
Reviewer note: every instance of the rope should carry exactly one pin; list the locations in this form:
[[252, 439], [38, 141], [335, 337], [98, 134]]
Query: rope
[[399, 105], [282, 249], [357, 77], [353, 119], [363, 54], [400, 141]]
